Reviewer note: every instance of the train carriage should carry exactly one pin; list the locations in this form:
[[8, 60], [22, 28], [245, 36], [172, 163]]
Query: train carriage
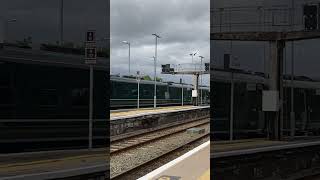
[[124, 93]]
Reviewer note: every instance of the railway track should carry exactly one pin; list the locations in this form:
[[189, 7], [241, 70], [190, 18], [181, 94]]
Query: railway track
[[147, 136], [147, 148]]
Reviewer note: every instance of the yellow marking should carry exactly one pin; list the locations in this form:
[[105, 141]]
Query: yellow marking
[[146, 110], [235, 145], [164, 178], [14, 165], [205, 176], [168, 178]]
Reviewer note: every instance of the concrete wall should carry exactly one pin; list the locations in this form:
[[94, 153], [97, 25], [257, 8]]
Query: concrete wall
[[130, 125]]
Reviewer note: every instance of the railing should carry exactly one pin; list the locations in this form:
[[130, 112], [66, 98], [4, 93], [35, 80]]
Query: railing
[[22, 135], [278, 18]]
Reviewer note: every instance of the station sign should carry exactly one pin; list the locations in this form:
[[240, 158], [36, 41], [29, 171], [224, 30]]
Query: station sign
[[90, 55], [207, 66], [91, 36], [138, 76], [90, 47], [167, 69]]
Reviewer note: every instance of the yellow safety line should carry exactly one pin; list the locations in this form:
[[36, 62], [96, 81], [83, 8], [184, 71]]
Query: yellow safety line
[[49, 161], [205, 176], [148, 110]]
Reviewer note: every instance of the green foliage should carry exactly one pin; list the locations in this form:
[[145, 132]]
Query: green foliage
[[147, 78]]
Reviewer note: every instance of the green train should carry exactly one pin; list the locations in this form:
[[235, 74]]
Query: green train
[[249, 119], [124, 93]]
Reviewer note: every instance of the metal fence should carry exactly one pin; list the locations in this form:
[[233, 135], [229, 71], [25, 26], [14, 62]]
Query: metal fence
[[278, 18]]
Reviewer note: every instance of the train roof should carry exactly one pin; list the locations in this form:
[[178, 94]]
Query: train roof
[[172, 84], [226, 76], [42, 57]]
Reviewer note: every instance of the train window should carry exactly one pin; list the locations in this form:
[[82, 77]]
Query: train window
[[80, 96], [4, 76], [48, 97], [5, 96]]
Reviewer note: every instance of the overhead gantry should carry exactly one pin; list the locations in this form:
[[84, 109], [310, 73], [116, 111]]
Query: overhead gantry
[[277, 42]]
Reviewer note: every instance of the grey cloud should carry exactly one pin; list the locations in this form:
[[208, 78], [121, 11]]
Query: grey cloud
[[184, 26], [40, 19]]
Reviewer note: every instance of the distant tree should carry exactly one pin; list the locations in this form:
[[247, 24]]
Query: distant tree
[[147, 77], [158, 79], [68, 44]]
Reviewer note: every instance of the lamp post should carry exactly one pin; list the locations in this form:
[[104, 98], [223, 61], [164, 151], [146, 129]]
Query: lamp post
[[61, 22], [128, 43], [181, 81], [201, 58], [6, 28], [192, 55], [138, 81], [155, 84], [155, 70], [292, 113]]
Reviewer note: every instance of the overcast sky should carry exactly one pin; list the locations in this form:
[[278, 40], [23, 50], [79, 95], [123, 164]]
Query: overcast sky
[[39, 19], [184, 27]]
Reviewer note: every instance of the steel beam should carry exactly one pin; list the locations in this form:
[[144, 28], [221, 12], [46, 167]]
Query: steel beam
[[265, 36]]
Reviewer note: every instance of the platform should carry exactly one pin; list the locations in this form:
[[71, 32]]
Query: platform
[[251, 146], [131, 113], [194, 164], [52, 165], [263, 159], [133, 121], [224, 146]]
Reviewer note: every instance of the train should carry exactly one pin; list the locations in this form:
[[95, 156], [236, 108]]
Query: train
[[249, 119], [124, 93], [44, 101]]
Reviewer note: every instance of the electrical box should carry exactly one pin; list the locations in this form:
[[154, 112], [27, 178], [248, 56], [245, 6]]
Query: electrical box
[[270, 101], [194, 93]]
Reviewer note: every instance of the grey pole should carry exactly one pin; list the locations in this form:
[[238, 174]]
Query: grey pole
[[182, 90], [5, 33], [292, 114], [138, 93], [138, 79], [61, 22], [231, 108], [155, 71], [201, 58], [155, 84], [181, 85], [192, 55], [90, 106], [129, 45], [129, 59], [6, 28]]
